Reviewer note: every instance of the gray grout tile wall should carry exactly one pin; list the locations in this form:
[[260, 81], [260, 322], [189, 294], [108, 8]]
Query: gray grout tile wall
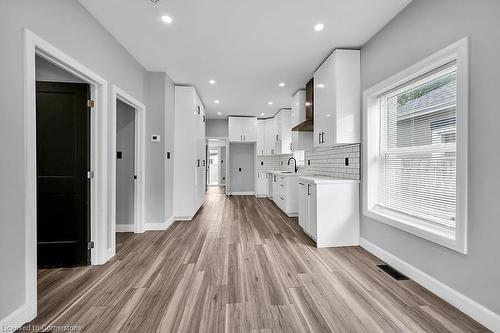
[[331, 162], [273, 163]]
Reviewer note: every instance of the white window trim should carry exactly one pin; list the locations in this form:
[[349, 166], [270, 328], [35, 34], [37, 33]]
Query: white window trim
[[457, 240]]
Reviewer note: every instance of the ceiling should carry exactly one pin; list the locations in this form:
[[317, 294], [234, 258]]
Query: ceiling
[[247, 46]]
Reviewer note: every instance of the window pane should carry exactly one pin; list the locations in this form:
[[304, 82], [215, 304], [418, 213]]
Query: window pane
[[418, 115], [418, 162]]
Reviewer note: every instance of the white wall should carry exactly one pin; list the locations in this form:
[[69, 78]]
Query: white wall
[[69, 27], [46, 71], [424, 27], [216, 128]]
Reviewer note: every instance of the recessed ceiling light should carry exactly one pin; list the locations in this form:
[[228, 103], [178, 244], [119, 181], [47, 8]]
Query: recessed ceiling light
[[167, 19], [320, 85], [216, 101], [270, 103], [319, 27], [211, 81], [262, 114], [282, 84], [219, 113]]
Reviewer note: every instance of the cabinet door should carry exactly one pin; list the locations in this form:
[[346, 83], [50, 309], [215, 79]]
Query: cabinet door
[[285, 132], [261, 137], [324, 103], [312, 210], [303, 202], [262, 187], [249, 129], [235, 129], [270, 136]]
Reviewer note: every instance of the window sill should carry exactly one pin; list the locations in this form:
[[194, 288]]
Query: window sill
[[429, 231]]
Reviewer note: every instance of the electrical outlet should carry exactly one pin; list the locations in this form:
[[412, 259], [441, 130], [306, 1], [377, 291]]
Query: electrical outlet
[[308, 162]]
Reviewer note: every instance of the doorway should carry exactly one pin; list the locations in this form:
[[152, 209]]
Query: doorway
[[63, 185], [213, 167], [217, 162], [125, 167]]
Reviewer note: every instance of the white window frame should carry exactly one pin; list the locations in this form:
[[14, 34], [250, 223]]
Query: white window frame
[[453, 239]]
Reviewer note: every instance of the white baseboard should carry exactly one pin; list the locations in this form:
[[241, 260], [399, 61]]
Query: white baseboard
[[183, 218], [471, 308], [242, 193], [125, 228], [17, 318], [261, 195], [160, 226]]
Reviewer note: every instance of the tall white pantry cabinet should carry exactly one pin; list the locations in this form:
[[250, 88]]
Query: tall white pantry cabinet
[[189, 153]]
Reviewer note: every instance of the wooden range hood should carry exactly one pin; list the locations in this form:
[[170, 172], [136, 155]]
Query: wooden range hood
[[308, 124]]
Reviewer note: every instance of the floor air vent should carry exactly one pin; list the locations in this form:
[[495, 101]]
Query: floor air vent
[[393, 273]]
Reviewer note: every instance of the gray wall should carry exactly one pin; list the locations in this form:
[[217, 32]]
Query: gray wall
[[216, 128], [125, 167], [421, 29], [154, 96], [46, 71], [242, 155], [69, 27]]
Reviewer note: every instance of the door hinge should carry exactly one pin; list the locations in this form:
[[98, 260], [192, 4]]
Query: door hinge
[[90, 174], [90, 103], [90, 245]]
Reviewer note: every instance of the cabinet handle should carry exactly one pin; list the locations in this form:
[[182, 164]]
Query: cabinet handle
[[244, 138], [308, 189], [241, 137], [301, 184], [319, 138]]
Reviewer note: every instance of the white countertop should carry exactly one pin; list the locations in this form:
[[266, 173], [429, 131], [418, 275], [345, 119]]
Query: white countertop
[[326, 180], [282, 173]]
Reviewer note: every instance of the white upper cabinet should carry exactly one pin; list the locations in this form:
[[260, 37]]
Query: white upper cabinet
[[242, 129], [270, 136], [298, 113], [283, 133], [261, 137], [337, 99]]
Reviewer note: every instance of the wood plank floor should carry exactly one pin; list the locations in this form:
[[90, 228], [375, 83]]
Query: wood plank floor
[[239, 266]]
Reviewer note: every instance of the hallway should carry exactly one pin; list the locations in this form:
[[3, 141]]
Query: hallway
[[240, 266]]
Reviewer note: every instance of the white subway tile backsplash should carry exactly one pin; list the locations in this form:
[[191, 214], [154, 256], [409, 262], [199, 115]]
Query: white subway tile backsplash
[[273, 163], [331, 162]]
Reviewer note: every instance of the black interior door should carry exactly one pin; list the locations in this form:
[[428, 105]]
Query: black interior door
[[63, 188]]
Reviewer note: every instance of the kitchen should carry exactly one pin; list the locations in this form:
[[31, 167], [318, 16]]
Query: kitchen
[[250, 166], [308, 156]]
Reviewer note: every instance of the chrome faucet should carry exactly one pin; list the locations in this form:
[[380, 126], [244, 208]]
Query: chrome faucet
[[292, 158]]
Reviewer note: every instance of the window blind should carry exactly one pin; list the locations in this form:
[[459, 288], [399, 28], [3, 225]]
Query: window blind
[[417, 160]]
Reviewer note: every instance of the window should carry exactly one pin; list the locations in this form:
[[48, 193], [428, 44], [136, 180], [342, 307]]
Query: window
[[416, 148]]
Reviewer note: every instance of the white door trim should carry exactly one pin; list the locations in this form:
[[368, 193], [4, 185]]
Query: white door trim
[[36, 46], [140, 157]]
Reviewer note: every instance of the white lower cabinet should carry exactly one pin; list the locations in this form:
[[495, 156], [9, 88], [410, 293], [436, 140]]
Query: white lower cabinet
[[329, 210], [285, 193], [262, 184]]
